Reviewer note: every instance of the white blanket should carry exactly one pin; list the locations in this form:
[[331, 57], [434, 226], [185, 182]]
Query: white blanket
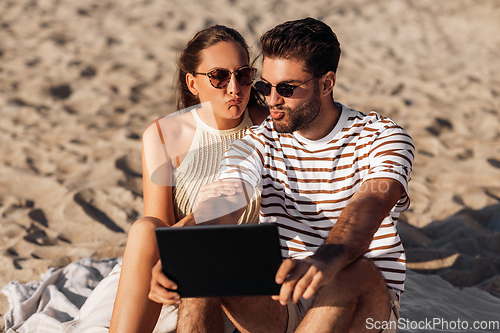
[[73, 299], [77, 299]]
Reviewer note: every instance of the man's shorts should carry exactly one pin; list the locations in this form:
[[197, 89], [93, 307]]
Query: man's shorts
[[296, 312]]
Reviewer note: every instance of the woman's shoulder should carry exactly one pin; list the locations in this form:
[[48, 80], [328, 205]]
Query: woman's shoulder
[[175, 125], [258, 113]]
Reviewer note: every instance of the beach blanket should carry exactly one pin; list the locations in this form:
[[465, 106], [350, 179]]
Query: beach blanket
[[80, 297], [76, 298]]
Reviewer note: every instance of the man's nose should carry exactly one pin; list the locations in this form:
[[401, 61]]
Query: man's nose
[[274, 98]]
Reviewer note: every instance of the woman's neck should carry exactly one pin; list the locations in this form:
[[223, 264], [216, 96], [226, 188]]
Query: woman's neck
[[211, 119]]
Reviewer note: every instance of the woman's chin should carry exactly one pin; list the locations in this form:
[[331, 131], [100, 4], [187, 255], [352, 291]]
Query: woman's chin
[[235, 111]]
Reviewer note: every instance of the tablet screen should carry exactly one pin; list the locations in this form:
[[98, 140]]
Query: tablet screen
[[221, 260]]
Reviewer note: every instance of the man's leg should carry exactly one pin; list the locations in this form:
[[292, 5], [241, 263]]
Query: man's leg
[[256, 314], [358, 292], [249, 314], [200, 315]]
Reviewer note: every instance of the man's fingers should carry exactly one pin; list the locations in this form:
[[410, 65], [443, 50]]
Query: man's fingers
[[227, 185], [288, 287], [227, 188], [285, 291], [316, 282], [303, 283], [286, 266], [300, 278], [223, 191], [218, 188]]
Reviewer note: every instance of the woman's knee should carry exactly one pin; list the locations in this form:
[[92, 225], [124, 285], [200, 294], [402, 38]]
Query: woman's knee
[[141, 235], [146, 224], [141, 241]]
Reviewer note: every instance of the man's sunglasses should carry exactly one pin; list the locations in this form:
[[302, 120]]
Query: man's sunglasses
[[220, 77], [284, 89]]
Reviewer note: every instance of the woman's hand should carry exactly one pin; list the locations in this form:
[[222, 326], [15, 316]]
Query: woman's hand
[[216, 189], [161, 290]]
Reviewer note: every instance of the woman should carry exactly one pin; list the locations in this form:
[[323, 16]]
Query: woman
[[214, 71]]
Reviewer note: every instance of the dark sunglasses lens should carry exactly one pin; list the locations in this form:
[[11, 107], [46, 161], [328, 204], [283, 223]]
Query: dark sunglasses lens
[[220, 77], [263, 87], [245, 76], [284, 89]]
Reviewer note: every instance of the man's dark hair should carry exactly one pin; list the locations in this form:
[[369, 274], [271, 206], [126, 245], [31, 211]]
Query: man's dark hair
[[308, 40]]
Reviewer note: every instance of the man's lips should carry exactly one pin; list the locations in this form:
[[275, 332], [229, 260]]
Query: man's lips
[[277, 114]]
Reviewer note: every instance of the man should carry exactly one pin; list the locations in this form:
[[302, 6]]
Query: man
[[333, 179]]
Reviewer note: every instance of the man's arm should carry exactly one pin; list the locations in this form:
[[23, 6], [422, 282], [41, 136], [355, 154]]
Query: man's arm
[[348, 240]]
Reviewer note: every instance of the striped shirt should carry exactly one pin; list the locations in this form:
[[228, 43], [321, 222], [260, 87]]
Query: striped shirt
[[306, 184]]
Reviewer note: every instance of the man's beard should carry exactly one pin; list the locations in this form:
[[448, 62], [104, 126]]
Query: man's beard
[[295, 120]]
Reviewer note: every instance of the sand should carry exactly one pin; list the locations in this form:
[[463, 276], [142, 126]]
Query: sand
[[80, 81]]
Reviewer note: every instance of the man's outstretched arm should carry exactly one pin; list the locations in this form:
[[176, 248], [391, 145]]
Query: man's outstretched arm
[[348, 240]]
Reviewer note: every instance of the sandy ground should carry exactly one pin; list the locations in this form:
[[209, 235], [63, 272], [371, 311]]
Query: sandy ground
[[80, 81]]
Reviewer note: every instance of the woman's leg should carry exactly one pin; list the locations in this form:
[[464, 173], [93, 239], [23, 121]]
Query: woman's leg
[[133, 311]]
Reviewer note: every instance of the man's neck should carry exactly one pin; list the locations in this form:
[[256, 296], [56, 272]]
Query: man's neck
[[324, 123]]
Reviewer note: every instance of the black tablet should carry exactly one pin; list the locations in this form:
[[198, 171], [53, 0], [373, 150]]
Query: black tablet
[[221, 260]]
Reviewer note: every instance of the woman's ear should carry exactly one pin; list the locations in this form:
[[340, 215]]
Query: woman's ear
[[328, 83], [191, 84]]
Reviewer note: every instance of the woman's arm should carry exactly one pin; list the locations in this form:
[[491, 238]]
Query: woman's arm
[[157, 176], [133, 311]]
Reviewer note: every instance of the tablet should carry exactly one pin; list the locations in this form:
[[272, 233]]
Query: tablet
[[221, 260]]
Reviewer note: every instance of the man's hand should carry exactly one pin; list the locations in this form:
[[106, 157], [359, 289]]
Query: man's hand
[[222, 202], [215, 190], [302, 278], [160, 284]]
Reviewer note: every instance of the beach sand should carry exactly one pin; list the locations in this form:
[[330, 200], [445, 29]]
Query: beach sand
[[80, 81]]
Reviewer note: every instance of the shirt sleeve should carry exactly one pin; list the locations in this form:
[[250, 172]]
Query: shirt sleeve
[[391, 156], [243, 160]]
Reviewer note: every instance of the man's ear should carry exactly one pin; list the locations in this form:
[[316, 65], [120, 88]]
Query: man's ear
[[191, 84], [328, 83]]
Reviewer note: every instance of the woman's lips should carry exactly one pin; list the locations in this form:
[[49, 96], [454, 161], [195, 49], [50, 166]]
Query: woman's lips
[[235, 101]]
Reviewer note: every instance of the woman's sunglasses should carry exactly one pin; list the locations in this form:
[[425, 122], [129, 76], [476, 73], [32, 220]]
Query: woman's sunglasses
[[220, 77], [284, 89]]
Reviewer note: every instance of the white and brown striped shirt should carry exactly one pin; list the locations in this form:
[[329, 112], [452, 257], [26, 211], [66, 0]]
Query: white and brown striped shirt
[[306, 184]]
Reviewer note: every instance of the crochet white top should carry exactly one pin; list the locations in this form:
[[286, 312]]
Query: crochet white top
[[201, 166]]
